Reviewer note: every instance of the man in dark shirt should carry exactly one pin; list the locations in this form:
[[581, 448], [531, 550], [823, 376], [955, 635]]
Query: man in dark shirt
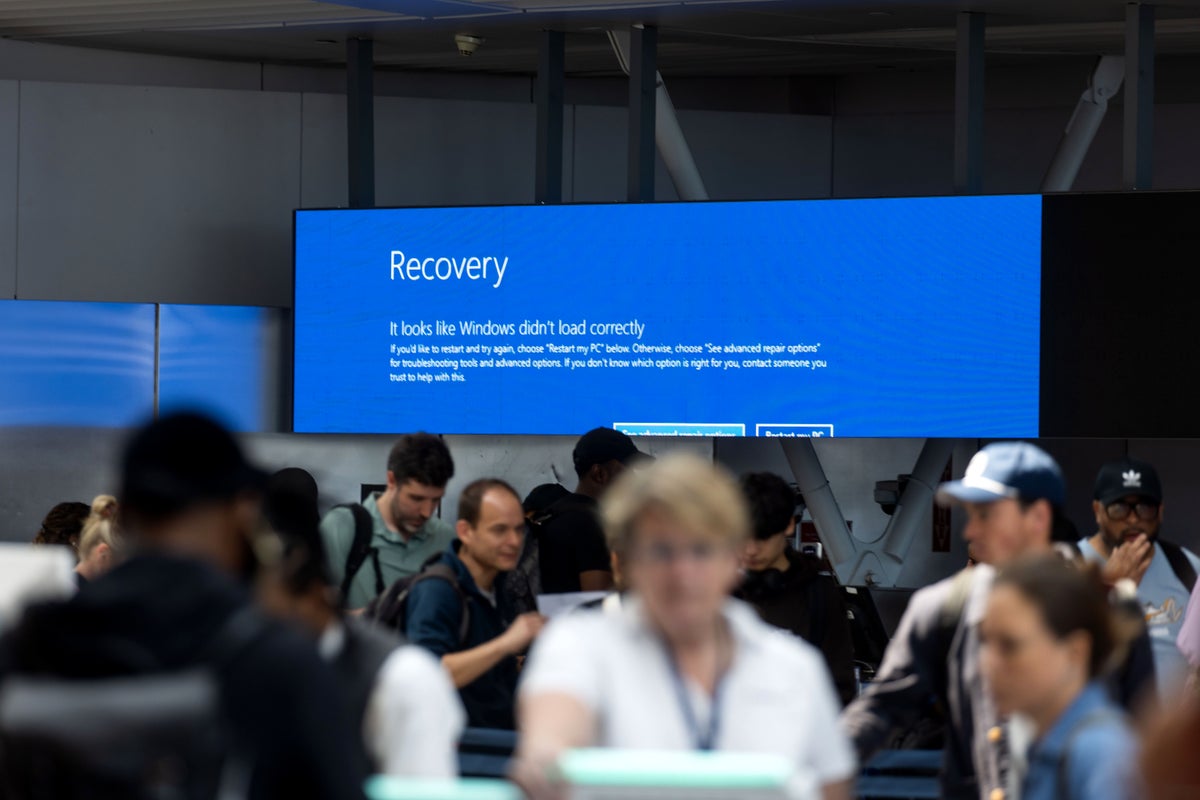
[[483, 663], [572, 553], [787, 588]]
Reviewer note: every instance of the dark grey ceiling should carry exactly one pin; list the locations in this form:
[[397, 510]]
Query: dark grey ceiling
[[696, 38]]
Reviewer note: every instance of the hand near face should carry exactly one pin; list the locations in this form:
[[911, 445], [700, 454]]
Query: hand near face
[[1130, 560]]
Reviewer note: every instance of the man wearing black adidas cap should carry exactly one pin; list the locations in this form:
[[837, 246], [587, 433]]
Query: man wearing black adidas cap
[[572, 551], [1010, 492], [1128, 506]]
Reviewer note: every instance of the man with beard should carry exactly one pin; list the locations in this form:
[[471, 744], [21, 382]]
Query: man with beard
[[1129, 512]]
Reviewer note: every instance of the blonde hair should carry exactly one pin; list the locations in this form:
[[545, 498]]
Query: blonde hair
[[100, 527], [700, 496]]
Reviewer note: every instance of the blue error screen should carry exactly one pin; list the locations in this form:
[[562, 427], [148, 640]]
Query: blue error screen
[[891, 317]]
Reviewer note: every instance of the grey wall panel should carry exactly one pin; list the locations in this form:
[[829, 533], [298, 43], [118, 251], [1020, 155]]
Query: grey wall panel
[[41, 467], [323, 157], [453, 152], [150, 194], [891, 155], [9, 93], [600, 156], [741, 156], [744, 156], [37, 61]]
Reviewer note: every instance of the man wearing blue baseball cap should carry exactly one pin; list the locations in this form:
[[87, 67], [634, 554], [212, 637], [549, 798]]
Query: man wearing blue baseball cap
[[1011, 492]]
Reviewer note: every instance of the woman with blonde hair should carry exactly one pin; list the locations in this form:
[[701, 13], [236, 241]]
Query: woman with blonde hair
[[99, 540], [680, 666]]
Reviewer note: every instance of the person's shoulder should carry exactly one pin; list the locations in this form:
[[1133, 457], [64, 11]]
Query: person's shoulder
[[411, 665], [337, 522], [440, 528], [1089, 552]]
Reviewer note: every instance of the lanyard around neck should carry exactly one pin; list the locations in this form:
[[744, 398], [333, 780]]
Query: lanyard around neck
[[701, 739]]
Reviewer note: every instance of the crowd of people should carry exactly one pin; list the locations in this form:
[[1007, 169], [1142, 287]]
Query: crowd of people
[[226, 635]]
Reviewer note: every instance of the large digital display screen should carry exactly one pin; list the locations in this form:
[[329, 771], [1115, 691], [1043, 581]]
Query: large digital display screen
[[882, 317], [216, 359], [77, 364]]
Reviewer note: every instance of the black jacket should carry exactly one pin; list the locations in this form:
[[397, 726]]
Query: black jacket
[[811, 606], [158, 613]]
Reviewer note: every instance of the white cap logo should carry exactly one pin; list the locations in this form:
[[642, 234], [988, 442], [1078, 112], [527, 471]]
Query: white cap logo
[[1133, 479]]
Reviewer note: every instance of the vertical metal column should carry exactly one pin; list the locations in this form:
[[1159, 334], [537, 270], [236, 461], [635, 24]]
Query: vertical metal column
[[360, 121], [968, 104], [1139, 97], [643, 68], [548, 94]]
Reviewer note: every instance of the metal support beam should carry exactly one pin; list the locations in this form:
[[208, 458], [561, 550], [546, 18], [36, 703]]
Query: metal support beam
[[968, 104], [672, 144], [1104, 82], [1139, 97], [360, 121], [548, 92], [643, 71], [916, 500], [822, 505]]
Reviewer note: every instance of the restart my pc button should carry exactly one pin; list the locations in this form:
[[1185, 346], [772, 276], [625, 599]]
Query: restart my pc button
[[794, 431]]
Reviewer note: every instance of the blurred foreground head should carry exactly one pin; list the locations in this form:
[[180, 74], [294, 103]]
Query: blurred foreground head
[[186, 487], [677, 526]]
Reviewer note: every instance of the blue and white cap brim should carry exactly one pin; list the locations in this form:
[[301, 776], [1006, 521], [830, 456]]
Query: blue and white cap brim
[[975, 489]]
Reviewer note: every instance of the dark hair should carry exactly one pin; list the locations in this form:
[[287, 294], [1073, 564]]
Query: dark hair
[[290, 506], [772, 503], [1069, 598], [471, 500], [63, 524], [423, 458]]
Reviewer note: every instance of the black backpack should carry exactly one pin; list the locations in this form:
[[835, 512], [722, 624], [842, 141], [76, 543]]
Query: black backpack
[[361, 550], [1181, 565], [145, 737], [390, 608], [524, 583]]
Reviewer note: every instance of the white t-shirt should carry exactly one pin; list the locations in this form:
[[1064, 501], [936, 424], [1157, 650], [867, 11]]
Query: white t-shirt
[[777, 696], [414, 717]]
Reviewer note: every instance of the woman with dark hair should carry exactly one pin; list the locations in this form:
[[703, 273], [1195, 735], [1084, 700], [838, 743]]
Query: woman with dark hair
[[1048, 637], [63, 525]]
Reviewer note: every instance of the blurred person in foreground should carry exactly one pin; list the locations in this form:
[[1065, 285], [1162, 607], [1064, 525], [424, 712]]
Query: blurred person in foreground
[[397, 696], [680, 666], [1047, 637], [181, 604]]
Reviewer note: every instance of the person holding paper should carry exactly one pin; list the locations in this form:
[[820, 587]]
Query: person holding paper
[[680, 666]]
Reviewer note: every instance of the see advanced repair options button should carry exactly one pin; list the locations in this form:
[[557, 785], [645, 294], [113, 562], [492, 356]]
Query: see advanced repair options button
[[794, 431]]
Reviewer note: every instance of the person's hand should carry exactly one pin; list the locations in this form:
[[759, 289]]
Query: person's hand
[[1130, 560], [535, 777], [523, 631]]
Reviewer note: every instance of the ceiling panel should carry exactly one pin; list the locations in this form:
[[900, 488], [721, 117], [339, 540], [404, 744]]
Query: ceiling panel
[[696, 38]]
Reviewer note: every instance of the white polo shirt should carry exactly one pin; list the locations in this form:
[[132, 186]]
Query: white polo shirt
[[777, 696]]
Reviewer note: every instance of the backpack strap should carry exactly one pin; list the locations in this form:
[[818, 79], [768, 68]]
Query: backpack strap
[[1181, 565], [446, 573], [361, 549]]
